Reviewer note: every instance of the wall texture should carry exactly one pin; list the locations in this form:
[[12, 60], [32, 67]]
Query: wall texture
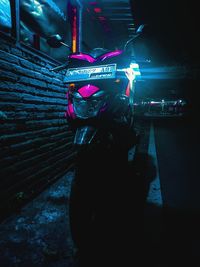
[[35, 140]]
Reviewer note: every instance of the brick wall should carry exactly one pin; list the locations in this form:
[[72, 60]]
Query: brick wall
[[35, 140]]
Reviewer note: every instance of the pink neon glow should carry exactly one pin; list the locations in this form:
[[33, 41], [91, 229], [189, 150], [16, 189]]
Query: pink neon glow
[[88, 90], [128, 89], [82, 56], [110, 54], [70, 111], [97, 10], [90, 59]]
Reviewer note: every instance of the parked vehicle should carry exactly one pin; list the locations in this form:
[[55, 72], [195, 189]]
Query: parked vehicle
[[100, 111]]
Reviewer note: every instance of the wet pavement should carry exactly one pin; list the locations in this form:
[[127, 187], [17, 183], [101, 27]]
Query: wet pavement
[[39, 234]]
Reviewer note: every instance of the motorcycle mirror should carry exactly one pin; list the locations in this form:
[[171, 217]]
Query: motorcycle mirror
[[56, 41], [139, 31]]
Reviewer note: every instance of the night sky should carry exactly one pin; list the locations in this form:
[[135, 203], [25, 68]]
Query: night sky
[[173, 29]]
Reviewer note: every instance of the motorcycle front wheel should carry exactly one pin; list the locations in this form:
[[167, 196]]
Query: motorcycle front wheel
[[96, 199]]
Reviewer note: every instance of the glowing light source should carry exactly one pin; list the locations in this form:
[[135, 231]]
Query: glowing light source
[[97, 10], [72, 86], [74, 31], [135, 67], [5, 13]]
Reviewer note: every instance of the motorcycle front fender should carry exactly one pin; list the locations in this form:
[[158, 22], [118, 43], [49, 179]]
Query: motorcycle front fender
[[84, 135]]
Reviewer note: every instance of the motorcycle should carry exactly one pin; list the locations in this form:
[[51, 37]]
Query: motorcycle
[[100, 112]]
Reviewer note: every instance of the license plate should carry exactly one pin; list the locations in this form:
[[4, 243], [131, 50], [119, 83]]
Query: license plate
[[91, 73]]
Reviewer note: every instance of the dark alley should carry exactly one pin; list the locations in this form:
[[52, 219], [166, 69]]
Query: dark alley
[[99, 133]]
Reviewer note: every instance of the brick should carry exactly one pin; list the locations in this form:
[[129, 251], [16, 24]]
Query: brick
[[33, 130]]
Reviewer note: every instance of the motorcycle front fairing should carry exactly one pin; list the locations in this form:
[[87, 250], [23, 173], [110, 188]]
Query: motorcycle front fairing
[[95, 91]]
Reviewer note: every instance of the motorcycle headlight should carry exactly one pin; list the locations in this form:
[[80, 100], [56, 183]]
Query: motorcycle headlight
[[136, 69]]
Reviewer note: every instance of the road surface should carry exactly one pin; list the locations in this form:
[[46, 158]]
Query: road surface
[[160, 224]]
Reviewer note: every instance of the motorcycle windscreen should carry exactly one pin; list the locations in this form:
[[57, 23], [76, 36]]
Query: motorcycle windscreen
[[84, 135]]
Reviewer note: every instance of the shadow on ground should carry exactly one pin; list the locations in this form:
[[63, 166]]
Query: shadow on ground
[[138, 233], [129, 231]]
